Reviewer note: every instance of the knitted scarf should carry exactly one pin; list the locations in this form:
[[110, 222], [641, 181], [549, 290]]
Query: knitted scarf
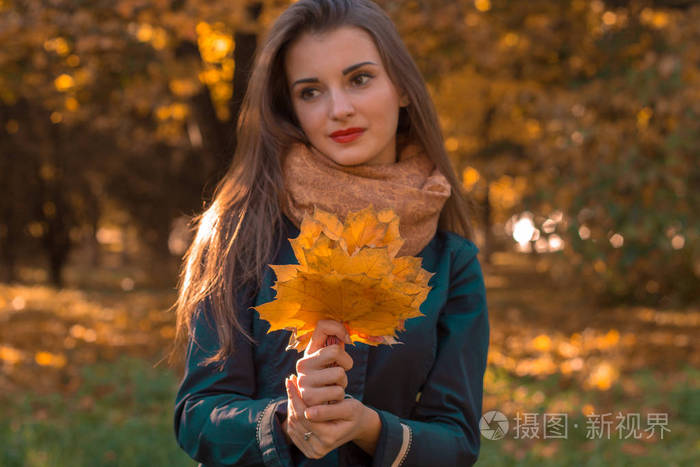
[[413, 187]]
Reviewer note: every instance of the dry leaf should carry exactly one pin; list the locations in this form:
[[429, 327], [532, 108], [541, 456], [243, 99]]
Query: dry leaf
[[348, 272]]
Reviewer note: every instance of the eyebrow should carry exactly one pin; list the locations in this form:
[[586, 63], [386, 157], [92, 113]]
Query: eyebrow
[[349, 69]]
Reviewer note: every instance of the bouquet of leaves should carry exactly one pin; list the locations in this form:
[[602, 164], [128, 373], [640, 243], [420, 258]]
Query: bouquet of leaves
[[347, 272]]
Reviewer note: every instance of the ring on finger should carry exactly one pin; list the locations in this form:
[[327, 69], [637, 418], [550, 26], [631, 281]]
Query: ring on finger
[[308, 435]]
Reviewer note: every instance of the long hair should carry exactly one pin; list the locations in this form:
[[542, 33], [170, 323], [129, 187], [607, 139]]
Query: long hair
[[238, 233]]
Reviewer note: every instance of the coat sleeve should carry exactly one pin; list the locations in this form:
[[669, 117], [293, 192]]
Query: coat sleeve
[[218, 422], [443, 428]]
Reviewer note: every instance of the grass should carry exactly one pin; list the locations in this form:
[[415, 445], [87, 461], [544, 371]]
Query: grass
[[120, 416], [69, 395], [680, 399]]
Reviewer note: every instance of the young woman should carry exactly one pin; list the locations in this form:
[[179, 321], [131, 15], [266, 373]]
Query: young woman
[[336, 116]]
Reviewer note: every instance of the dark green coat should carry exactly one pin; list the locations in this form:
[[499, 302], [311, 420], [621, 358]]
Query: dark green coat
[[427, 390]]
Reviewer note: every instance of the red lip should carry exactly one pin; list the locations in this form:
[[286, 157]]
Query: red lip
[[346, 132], [347, 136]]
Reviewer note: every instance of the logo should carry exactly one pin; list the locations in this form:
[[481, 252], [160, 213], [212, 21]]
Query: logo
[[493, 425]]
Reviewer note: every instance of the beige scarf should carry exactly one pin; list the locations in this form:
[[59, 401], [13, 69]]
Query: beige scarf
[[413, 187]]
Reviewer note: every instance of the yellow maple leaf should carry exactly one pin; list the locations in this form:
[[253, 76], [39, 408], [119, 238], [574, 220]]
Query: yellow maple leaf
[[348, 271]]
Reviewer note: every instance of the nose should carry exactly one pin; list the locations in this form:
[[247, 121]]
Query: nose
[[340, 106]]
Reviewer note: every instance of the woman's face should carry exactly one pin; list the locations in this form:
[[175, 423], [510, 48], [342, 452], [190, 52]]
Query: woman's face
[[343, 97]]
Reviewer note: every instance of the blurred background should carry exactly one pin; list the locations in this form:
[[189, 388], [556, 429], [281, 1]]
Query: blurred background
[[574, 126]]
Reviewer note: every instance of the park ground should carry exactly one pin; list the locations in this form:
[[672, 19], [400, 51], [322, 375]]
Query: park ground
[[83, 381]]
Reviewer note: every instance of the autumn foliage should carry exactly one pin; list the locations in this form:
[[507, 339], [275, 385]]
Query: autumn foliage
[[582, 114], [350, 273]]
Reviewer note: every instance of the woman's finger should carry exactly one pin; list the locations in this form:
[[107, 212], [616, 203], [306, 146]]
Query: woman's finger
[[297, 406], [333, 376], [325, 328], [323, 358], [335, 354], [322, 395], [343, 410], [298, 425]]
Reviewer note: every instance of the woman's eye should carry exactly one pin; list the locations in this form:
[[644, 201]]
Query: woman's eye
[[361, 79], [307, 93]]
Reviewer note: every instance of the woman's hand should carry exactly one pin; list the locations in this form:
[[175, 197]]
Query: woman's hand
[[319, 419], [318, 430], [321, 372]]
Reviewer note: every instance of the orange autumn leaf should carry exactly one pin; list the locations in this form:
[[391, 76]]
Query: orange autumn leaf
[[348, 272]]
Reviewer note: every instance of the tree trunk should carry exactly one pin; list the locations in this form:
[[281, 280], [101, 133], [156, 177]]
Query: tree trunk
[[8, 258], [54, 207], [488, 233], [243, 55], [218, 138]]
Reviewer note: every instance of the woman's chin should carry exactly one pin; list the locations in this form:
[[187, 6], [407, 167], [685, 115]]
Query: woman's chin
[[346, 157]]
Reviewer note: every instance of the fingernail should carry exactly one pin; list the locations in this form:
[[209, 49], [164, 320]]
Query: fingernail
[[309, 413], [347, 339]]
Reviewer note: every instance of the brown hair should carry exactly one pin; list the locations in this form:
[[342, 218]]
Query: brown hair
[[237, 234]]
